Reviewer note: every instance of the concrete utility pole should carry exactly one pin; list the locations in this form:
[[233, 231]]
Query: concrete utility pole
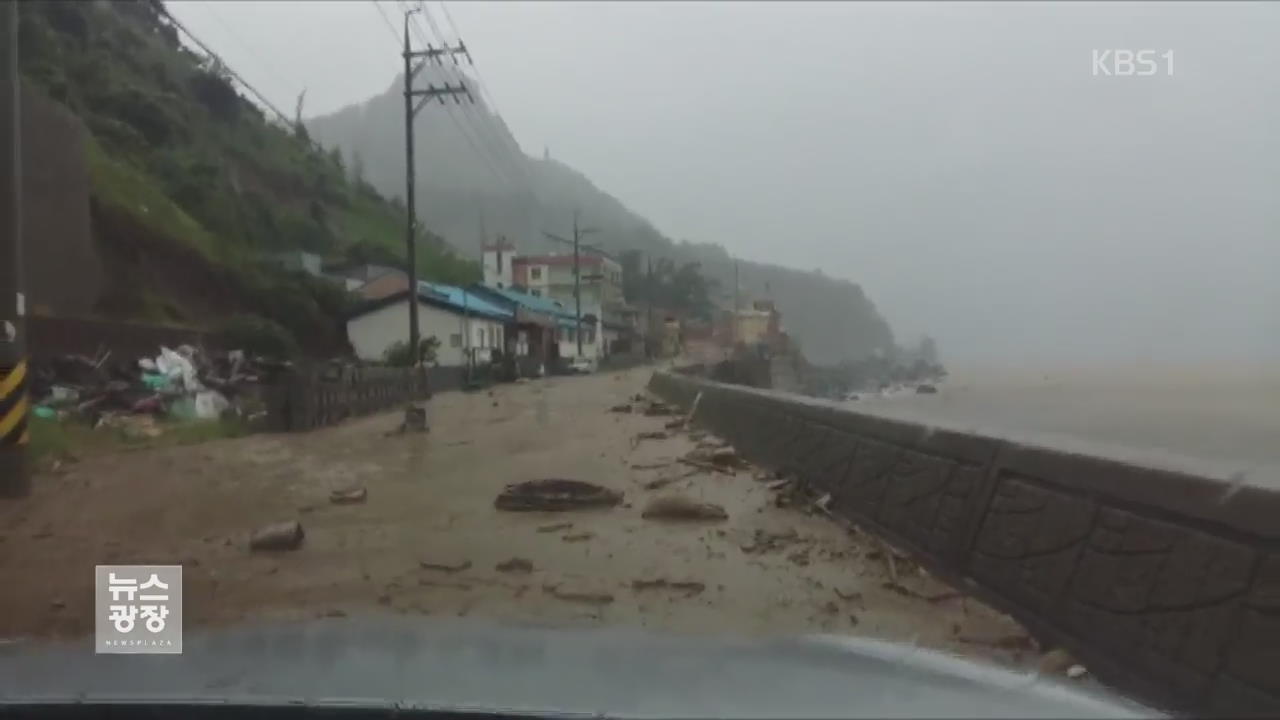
[[648, 296], [733, 326], [578, 233], [411, 109], [14, 473]]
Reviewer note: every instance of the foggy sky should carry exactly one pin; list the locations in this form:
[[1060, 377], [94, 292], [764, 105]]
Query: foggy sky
[[958, 160]]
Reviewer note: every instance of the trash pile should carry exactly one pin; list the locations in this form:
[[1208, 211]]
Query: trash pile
[[180, 384]]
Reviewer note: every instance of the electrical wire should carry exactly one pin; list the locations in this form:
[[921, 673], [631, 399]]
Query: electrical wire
[[482, 126], [462, 127]]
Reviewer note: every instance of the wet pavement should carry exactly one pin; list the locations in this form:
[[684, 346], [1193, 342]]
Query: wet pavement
[[427, 539]]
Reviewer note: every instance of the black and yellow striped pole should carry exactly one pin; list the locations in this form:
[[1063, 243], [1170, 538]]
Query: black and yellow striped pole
[[15, 476]]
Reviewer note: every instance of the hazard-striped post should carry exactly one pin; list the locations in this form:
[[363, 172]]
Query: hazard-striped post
[[15, 477]]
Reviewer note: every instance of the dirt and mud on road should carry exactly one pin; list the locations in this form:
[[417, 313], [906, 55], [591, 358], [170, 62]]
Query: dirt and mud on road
[[406, 522]]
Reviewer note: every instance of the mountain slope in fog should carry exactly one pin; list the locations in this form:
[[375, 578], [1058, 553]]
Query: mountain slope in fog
[[473, 181]]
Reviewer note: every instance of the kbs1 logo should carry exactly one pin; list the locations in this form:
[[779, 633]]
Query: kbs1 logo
[[1127, 63]]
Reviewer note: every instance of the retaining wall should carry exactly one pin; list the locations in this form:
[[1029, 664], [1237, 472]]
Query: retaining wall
[[1165, 584]]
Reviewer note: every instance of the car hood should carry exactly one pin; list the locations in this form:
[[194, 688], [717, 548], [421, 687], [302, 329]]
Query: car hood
[[403, 661]]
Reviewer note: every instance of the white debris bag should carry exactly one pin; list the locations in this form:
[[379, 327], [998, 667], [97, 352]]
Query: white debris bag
[[174, 365], [147, 364], [210, 404]]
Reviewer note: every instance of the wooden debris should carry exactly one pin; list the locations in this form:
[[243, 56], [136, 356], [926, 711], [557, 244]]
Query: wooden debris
[[553, 494], [554, 527], [515, 565], [445, 566], [348, 496], [651, 466], [690, 587], [578, 537], [583, 596]]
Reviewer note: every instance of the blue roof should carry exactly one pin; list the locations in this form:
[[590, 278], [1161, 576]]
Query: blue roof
[[551, 307], [459, 298]]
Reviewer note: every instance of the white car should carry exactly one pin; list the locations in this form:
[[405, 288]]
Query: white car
[[583, 365]]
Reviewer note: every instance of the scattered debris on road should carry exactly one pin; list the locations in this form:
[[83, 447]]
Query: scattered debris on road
[[649, 435], [763, 541], [689, 587], [415, 420], [278, 536], [583, 596], [620, 409], [651, 466], [449, 567], [515, 565], [676, 424], [926, 390], [555, 494], [678, 507], [578, 537], [554, 527], [658, 408], [348, 496]]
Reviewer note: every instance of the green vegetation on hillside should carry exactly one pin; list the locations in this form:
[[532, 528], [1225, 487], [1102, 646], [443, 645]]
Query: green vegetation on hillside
[[194, 188]]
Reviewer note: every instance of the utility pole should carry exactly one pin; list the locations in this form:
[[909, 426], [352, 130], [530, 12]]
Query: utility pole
[[578, 233], [14, 473], [648, 296], [733, 326], [411, 109]]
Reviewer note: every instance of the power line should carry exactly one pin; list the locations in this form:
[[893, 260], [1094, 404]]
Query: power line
[[227, 68], [387, 21], [493, 138], [482, 127], [462, 127], [208, 8]]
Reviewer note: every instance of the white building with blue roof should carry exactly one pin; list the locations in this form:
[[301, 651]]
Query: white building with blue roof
[[466, 323]]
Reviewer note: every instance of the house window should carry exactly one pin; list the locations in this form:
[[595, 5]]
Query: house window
[[535, 273], [455, 340], [493, 337], [588, 336]]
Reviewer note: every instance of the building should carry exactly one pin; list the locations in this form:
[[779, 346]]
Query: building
[[355, 275], [533, 336], [468, 325], [606, 318]]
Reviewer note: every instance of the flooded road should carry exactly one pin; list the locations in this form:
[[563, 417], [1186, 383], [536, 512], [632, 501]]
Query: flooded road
[[1228, 421], [428, 539]]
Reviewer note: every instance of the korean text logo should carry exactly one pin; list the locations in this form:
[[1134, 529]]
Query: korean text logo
[[138, 609]]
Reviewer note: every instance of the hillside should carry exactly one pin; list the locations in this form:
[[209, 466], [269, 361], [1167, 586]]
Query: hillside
[[192, 186], [459, 195]]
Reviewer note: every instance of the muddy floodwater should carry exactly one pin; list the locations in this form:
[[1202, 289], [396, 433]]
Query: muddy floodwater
[[426, 539], [1226, 419]]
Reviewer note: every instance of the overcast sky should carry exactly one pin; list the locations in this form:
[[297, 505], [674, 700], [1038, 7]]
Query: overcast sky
[[961, 161]]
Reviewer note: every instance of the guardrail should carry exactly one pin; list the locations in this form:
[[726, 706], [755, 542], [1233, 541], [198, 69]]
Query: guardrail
[[1166, 584]]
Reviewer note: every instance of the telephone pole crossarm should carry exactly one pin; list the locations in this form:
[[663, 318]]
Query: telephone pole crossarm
[[440, 93]]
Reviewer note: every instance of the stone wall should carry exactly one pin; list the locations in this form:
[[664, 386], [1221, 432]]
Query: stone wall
[[1165, 584]]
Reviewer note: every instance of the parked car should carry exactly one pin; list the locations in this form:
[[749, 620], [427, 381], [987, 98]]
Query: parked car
[[582, 365]]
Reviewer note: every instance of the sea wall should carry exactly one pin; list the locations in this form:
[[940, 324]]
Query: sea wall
[[1164, 583]]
